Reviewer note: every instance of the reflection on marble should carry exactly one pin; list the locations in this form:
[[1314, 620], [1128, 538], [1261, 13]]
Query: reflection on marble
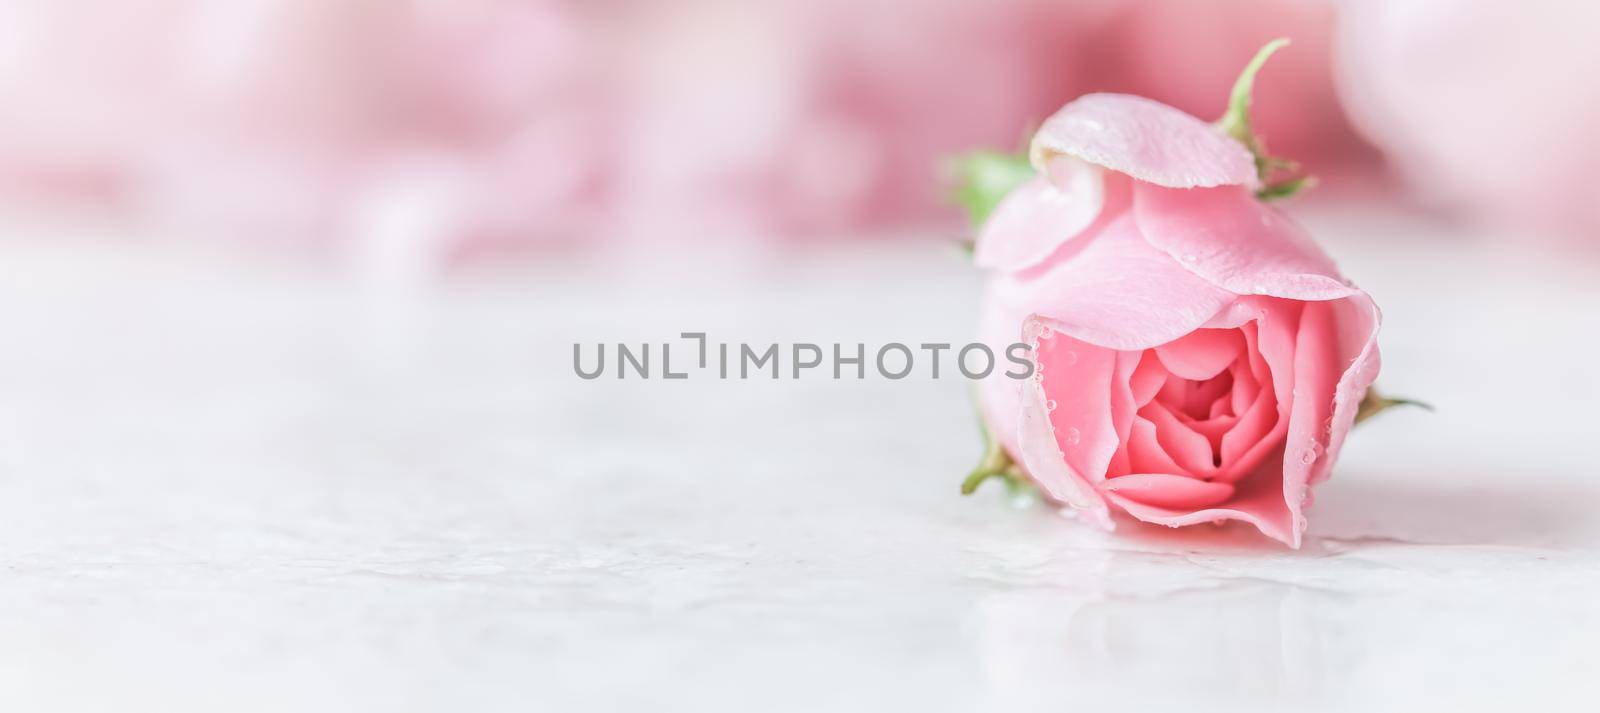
[[245, 486], [1367, 626]]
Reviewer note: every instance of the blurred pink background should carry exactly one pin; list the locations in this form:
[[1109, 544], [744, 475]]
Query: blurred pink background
[[460, 130]]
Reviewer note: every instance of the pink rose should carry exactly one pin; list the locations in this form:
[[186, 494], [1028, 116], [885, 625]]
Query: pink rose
[[1199, 357]]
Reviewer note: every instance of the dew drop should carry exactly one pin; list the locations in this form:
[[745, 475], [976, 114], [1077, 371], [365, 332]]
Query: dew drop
[[1050, 405], [1308, 456], [1073, 436], [1190, 257], [1069, 358]]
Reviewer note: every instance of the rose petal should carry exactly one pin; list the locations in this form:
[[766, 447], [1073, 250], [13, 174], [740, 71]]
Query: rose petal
[[999, 396], [1116, 292], [1042, 457], [1036, 218], [1236, 242], [1201, 354], [1257, 500], [1145, 454], [1123, 408], [1077, 389], [1336, 353], [1213, 429], [1145, 139], [1316, 371], [1245, 388], [1358, 320], [1255, 433], [1223, 407], [1190, 449], [1147, 379], [1169, 491], [1261, 429]]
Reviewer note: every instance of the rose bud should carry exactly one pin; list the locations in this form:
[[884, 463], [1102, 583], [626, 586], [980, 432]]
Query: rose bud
[[1198, 357]]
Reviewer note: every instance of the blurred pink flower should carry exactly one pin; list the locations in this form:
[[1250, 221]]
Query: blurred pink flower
[[463, 127], [297, 120], [800, 118], [1186, 53], [834, 115], [1484, 107]]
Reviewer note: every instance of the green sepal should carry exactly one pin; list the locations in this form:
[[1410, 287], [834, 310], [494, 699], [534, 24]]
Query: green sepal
[[983, 178], [1235, 122], [1375, 403], [1286, 188], [995, 463]]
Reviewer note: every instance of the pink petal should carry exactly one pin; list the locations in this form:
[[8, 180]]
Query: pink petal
[[1261, 427], [1257, 500], [1316, 372], [1272, 348], [1358, 320], [1213, 428], [1188, 448], [1245, 388], [1116, 291], [1201, 354], [1145, 139], [1236, 242], [1256, 433], [1124, 406], [1223, 407], [1169, 491], [1147, 379], [1040, 454], [1145, 454], [999, 396], [1077, 388], [1035, 219], [1337, 355]]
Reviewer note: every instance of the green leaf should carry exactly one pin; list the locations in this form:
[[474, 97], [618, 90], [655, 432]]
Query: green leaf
[[983, 178]]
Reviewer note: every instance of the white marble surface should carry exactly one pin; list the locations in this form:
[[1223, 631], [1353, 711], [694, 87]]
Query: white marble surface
[[237, 484]]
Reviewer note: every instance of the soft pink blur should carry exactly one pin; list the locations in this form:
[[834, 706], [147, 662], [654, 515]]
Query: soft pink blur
[[448, 124], [462, 127], [1488, 109]]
